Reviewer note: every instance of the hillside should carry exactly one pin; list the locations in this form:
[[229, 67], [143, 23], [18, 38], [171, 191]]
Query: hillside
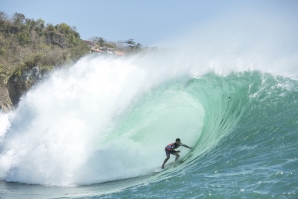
[[27, 45]]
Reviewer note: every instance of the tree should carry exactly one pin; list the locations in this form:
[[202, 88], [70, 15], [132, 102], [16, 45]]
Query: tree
[[3, 21], [74, 28], [50, 27], [63, 28], [39, 26], [18, 18], [133, 47], [130, 43], [99, 41], [18, 23], [138, 46], [40, 23], [3, 16]]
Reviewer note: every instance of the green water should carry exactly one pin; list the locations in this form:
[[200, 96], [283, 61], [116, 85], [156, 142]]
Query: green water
[[246, 146]]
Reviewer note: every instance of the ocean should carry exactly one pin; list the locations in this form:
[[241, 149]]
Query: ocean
[[98, 128]]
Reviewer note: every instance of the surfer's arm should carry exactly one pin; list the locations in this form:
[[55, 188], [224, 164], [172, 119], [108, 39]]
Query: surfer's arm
[[185, 146]]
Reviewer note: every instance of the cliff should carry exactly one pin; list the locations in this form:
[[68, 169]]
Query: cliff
[[29, 49]]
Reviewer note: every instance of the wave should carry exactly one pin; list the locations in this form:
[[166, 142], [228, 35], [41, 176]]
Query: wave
[[108, 119]]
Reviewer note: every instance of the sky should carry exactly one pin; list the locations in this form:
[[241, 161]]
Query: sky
[[148, 22]]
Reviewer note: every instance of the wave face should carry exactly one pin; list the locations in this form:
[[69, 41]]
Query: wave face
[[233, 98], [247, 145]]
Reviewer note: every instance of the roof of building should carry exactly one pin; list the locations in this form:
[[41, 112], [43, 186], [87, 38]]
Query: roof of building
[[96, 50]]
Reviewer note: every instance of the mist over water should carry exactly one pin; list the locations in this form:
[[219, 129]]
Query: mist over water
[[105, 119]]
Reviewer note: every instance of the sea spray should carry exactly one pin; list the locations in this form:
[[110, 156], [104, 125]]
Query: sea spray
[[63, 131]]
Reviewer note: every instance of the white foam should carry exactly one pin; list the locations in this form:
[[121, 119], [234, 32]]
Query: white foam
[[4, 124]]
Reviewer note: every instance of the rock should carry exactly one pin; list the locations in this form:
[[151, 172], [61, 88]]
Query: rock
[[18, 85], [5, 102]]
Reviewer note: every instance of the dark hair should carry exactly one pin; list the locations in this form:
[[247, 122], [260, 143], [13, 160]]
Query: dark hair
[[178, 139]]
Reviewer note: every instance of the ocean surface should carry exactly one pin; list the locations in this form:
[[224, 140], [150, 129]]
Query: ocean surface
[[98, 128]]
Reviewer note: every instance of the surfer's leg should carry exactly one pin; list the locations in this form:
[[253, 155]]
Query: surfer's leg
[[168, 157], [163, 165], [177, 156]]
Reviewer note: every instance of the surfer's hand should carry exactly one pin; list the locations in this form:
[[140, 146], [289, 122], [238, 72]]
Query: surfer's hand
[[178, 151]]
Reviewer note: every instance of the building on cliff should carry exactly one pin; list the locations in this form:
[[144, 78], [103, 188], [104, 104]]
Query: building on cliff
[[103, 50], [90, 44], [107, 51]]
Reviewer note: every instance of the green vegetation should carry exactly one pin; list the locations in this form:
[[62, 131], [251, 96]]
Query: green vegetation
[[25, 43], [128, 46]]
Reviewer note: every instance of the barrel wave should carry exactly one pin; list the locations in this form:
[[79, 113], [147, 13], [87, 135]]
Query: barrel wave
[[250, 128]]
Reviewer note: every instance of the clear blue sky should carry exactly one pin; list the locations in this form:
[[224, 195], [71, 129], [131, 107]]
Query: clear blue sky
[[146, 21]]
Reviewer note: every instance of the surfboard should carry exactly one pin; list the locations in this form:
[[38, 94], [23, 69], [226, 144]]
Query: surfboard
[[158, 170]]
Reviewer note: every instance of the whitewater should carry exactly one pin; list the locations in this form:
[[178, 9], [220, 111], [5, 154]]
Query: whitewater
[[98, 128]]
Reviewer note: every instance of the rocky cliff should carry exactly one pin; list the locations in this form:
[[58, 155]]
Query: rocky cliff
[[17, 84], [5, 102]]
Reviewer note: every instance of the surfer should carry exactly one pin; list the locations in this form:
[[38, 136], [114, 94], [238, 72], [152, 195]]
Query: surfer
[[170, 149]]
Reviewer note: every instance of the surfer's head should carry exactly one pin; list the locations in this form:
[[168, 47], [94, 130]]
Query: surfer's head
[[178, 140]]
